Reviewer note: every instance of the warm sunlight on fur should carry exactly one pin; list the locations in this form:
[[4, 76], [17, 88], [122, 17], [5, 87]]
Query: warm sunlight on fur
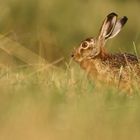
[[118, 68]]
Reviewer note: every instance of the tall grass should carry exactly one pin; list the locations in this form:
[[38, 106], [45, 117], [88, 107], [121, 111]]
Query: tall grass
[[54, 104]]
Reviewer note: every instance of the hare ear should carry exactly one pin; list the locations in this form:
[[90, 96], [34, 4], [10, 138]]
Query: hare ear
[[119, 24], [107, 26]]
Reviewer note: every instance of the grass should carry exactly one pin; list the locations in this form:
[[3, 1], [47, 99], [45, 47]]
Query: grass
[[39, 101], [54, 104]]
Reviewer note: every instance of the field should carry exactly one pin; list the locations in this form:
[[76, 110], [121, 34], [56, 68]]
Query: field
[[57, 104], [46, 96]]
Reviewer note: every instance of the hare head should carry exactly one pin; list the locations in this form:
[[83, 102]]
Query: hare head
[[94, 47]]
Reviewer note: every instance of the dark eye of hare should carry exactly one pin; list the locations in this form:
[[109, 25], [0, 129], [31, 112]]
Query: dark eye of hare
[[84, 44]]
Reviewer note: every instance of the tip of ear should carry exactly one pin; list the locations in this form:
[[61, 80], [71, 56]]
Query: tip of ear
[[124, 20], [112, 14]]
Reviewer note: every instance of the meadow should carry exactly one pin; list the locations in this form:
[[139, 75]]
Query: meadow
[[44, 95], [54, 103]]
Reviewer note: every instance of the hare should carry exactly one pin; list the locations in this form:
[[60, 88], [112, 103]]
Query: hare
[[98, 63]]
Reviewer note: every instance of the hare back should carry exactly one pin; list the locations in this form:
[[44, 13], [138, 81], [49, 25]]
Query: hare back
[[121, 59], [113, 66], [113, 62]]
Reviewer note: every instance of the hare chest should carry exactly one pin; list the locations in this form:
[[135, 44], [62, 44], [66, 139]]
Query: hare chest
[[104, 71], [96, 69]]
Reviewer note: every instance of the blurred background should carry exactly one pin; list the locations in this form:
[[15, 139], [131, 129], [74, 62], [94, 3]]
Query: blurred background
[[52, 103], [51, 28]]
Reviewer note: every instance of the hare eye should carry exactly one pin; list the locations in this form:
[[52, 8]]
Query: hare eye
[[85, 44]]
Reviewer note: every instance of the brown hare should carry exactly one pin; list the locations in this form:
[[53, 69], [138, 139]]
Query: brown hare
[[98, 63]]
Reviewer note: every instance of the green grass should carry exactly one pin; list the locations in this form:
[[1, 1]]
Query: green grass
[[57, 104]]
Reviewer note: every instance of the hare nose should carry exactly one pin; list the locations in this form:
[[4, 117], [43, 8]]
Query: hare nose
[[72, 55]]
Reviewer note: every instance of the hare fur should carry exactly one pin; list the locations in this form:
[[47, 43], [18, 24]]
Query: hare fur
[[98, 63]]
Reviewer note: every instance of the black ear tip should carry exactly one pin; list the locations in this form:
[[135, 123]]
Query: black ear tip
[[124, 20], [112, 14]]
